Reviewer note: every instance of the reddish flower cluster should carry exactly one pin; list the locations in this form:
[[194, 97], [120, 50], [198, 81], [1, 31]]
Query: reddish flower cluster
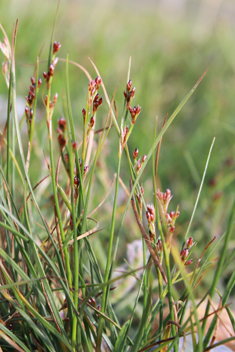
[[159, 247], [134, 112], [62, 126], [51, 105], [129, 94], [71, 222], [150, 215], [74, 145], [76, 181], [124, 133], [85, 169], [164, 199], [90, 125], [139, 200], [50, 73], [93, 87], [171, 218], [189, 242], [135, 153], [30, 99], [96, 103], [184, 253], [140, 161], [84, 114], [56, 47]]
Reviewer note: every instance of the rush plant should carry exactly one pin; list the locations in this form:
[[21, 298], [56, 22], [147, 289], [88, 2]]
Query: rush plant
[[55, 293]]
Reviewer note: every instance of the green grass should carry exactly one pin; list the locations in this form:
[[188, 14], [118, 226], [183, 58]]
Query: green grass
[[57, 291]]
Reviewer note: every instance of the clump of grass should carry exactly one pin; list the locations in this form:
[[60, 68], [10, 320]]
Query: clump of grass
[[55, 295]]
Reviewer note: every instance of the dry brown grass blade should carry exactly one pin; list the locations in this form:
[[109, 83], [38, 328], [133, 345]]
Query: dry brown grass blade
[[207, 246], [49, 229], [218, 312], [49, 305], [39, 347], [184, 335], [28, 157], [106, 196], [79, 66], [115, 109], [48, 165], [44, 178], [157, 343], [147, 241], [124, 187], [10, 342], [103, 129], [217, 322], [88, 233], [57, 170]]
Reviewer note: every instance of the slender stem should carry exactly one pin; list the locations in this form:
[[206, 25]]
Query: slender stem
[[8, 129], [107, 271]]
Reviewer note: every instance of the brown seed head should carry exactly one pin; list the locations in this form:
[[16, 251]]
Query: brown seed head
[[62, 124], [56, 47]]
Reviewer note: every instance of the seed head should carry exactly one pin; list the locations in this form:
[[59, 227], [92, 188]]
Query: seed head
[[128, 86], [62, 124], [74, 145], [189, 242], [56, 47], [39, 82], [135, 153], [61, 140]]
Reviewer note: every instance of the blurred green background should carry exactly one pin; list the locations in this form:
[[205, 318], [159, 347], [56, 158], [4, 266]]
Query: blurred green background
[[171, 44]]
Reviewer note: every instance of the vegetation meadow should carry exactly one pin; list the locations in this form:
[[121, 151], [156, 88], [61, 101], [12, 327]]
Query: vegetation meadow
[[116, 208]]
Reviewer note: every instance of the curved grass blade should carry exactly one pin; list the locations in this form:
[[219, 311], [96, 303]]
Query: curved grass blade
[[200, 189], [12, 339], [216, 278]]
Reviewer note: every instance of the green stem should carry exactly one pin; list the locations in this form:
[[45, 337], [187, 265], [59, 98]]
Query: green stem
[[8, 129], [107, 271]]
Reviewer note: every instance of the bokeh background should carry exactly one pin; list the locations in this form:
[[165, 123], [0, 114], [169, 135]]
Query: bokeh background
[[171, 43]]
